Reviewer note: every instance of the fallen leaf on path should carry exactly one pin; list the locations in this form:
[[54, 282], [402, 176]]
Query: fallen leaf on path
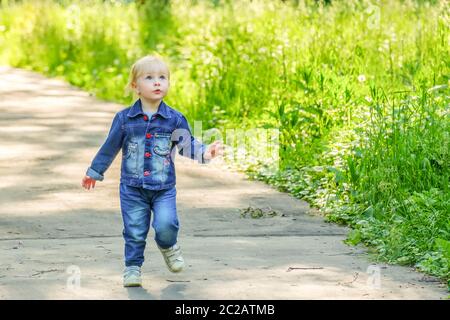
[[257, 213]]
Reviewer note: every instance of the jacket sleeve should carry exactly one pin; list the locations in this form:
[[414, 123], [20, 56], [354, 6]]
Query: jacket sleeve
[[108, 151], [187, 144]]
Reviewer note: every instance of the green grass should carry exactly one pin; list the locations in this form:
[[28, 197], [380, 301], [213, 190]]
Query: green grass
[[362, 103]]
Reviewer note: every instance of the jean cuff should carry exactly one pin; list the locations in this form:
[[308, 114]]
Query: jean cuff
[[94, 174]]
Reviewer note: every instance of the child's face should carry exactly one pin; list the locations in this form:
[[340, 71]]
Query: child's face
[[153, 83]]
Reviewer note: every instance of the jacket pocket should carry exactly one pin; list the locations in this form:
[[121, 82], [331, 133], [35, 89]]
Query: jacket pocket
[[162, 144], [131, 158]]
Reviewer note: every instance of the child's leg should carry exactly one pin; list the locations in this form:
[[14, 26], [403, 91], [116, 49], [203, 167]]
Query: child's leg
[[165, 219], [136, 219]]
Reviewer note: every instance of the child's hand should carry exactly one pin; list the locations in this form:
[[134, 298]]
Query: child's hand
[[214, 149], [87, 182]]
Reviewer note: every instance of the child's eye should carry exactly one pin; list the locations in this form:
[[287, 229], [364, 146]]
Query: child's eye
[[149, 77], [162, 77]]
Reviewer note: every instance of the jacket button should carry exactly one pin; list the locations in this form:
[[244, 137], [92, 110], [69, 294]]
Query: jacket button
[[147, 154], [145, 118], [148, 135], [146, 173]]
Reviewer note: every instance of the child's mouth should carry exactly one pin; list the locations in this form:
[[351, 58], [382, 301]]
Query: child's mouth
[[157, 91]]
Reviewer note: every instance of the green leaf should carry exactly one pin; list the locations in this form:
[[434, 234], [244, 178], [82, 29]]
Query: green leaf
[[354, 237]]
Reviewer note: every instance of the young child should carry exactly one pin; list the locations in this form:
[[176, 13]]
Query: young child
[[147, 132]]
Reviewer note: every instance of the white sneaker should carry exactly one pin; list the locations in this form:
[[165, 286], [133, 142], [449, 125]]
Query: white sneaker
[[132, 277], [173, 258]]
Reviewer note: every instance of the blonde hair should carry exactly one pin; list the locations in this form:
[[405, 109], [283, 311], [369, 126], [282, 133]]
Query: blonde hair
[[141, 66]]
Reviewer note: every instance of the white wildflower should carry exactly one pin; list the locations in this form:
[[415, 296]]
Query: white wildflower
[[262, 50]]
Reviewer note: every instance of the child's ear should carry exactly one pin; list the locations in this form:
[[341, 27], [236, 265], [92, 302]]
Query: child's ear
[[134, 86]]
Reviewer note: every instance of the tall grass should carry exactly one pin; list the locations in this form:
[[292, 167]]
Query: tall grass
[[358, 89]]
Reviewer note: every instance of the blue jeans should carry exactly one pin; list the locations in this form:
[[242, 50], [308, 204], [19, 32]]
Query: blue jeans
[[137, 204]]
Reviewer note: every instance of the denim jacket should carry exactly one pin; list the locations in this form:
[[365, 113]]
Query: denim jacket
[[148, 147]]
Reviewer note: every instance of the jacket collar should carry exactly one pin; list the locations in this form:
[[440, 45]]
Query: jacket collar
[[136, 109]]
